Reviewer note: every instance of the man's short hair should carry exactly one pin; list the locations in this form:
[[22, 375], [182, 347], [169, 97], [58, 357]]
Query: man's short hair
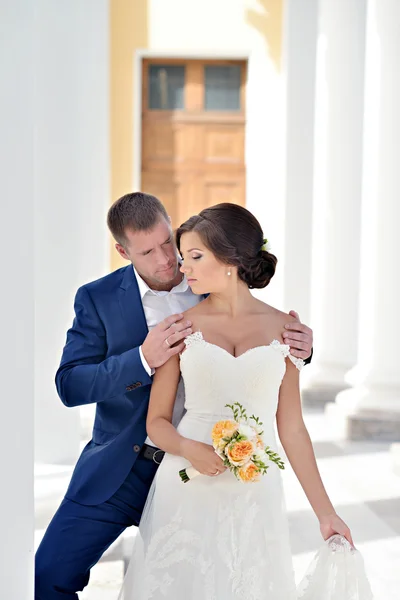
[[136, 211]]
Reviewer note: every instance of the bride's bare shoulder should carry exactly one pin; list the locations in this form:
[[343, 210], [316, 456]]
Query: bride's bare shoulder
[[198, 309], [196, 314], [275, 319], [275, 313]]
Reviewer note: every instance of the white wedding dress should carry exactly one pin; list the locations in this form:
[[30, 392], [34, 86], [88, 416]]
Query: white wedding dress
[[217, 538]]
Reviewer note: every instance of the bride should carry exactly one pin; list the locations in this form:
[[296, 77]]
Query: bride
[[215, 538]]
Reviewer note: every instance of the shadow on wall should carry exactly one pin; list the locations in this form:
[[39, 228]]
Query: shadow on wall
[[268, 21]]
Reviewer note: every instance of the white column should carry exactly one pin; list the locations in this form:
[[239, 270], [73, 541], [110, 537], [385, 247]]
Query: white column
[[300, 47], [16, 298], [337, 195], [72, 196], [373, 404]]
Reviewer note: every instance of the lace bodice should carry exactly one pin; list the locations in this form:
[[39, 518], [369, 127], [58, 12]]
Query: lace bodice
[[214, 378]]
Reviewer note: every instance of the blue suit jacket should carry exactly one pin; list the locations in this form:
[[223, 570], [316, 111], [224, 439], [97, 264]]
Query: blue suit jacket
[[101, 364]]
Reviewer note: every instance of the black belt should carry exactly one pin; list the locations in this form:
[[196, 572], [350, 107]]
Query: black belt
[[152, 453]]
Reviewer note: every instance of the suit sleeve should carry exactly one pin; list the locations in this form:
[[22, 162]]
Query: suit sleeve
[[85, 375], [308, 360]]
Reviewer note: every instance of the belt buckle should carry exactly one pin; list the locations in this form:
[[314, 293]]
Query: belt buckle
[[154, 459]]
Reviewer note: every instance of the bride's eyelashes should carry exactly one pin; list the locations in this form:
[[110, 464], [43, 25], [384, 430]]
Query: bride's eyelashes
[[192, 257]]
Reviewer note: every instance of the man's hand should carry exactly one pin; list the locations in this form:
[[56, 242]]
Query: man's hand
[[299, 337], [165, 340]]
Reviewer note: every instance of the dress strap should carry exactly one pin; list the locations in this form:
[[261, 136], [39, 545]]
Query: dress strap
[[285, 350], [194, 337]]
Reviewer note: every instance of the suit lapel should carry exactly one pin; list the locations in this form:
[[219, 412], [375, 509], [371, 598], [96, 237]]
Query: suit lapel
[[132, 308]]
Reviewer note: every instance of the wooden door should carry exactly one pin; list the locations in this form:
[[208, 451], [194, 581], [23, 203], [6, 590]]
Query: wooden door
[[193, 128]]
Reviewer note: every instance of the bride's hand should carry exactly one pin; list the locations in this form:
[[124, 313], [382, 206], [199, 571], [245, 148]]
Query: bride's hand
[[203, 458], [332, 524]]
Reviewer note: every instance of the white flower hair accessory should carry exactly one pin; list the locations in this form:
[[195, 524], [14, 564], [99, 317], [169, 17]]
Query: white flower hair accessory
[[266, 247]]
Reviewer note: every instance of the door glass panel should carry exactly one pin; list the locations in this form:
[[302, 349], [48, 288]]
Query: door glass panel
[[166, 86], [222, 87]]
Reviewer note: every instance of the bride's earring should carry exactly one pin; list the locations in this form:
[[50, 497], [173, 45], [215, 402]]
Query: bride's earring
[[229, 273]]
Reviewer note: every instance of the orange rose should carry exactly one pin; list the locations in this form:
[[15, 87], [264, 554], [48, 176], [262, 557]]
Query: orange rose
[[222, 429], [239, 453], [249, 473]]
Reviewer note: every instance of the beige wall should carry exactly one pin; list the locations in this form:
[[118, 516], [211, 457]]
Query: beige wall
[[129, 31], [252, 28]]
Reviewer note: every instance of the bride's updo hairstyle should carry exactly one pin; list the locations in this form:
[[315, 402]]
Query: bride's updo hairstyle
[[235, 238]]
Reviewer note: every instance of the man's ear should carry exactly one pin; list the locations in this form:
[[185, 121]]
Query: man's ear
[[121, 251]]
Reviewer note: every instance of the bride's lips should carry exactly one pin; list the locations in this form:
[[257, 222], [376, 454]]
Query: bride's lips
[[191, 280]]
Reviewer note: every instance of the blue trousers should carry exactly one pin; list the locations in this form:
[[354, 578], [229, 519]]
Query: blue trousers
[[78, 535]]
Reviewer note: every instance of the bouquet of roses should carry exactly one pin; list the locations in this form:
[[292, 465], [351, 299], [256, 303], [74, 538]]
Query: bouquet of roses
[[240, 445]]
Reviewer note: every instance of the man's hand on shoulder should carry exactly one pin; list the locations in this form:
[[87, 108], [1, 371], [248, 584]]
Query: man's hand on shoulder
[[166, 340], [299, 337]]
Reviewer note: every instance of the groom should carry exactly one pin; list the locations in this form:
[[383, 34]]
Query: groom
[[126, 324]]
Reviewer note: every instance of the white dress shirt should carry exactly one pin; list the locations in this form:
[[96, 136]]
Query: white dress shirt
[[157, 306]]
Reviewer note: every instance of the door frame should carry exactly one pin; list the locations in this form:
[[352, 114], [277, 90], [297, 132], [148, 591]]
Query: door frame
[[142, 54]]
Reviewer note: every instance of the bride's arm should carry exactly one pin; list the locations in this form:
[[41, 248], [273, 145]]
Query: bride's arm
[[163, 433], [299, 450], [162, 399]]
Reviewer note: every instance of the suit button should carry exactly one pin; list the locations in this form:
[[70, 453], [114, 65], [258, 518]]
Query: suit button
[[129, 388], [137, 384], [136, 448]]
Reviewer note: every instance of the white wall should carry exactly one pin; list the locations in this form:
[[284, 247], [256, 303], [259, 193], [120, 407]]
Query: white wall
[[72, 195], [16, 298], [217, 28]]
